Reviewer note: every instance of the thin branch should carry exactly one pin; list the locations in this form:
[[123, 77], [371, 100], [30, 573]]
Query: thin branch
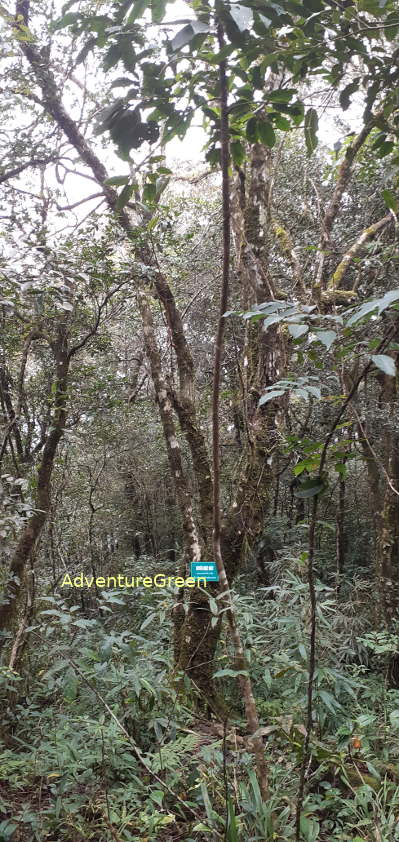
[[94, 328], [80, 202], [340, 272], [344, 175], [373, 453], [33, 162]]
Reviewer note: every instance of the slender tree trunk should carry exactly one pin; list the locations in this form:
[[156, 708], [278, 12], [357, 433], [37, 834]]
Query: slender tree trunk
[[31, 532], [340, 535]]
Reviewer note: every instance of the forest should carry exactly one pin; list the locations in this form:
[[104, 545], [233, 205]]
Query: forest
[[199, 429]]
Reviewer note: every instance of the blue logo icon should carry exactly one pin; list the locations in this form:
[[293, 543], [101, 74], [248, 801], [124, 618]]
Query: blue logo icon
[[205, 570]]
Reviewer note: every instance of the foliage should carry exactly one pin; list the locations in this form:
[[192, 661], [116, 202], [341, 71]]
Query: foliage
[[106, 733]]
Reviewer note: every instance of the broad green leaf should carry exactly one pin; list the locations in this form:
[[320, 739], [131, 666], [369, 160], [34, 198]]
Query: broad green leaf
[[302, 651], [269, 396], [365, 719], [394, 718], [387, 300], [310, 829], [266, 133], [67, 20], [237, 151], [187, 34], [309, 488], [147, 621], [365, 310], [231, 830], [282, 123], [229, 672], [242, 16], [385, 363], [251, 130], [329, 701], [124, 196], [345, 95], [117, 180], [297, 330], [121, 82], [327, 337], [311, 127], [391, 201], [372, 7], [158, 10], [313, 390], [138, 8], [281, 95]]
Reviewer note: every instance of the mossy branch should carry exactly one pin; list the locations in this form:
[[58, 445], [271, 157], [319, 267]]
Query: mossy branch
[[340, 272]]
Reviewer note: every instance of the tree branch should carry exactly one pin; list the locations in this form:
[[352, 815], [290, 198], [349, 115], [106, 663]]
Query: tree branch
[[339, 274]]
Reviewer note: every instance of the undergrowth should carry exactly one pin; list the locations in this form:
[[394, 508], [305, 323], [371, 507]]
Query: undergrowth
[[96, 695]]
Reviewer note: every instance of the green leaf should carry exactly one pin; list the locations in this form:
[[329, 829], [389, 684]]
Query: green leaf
[[365, 719], [302, 651], [385, 148], [281, 95], [372, 7], [237, 151], [242, 16], [121, 82], [385, 363], [309, 488], [124, 196], [365, 310], [345, 95], [394, 718], [311, 127], [117, 180], [7, 829], [231, 830], [282, 123], [327, 337], [68, 20], [138, 8], [251, 130], [147, 621], [390, 201], [187, 34], [387, 299], [313, 390], [158, 10], [266, 133], [329, 701], [297, 330], [269, 396], [229, 672]]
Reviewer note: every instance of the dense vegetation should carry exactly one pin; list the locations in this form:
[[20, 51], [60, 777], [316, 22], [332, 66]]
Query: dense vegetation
[[198, 362]]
